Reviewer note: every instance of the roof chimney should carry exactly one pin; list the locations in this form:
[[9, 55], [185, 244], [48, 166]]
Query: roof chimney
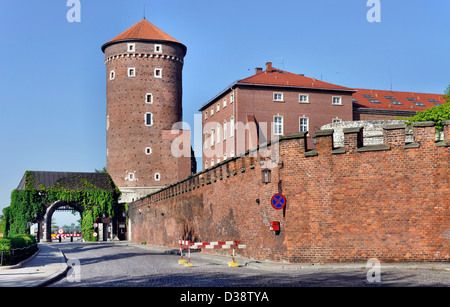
[[269, 66], [258, 70]]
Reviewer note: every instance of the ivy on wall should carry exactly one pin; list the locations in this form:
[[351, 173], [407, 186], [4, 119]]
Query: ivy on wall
[[31, 203]]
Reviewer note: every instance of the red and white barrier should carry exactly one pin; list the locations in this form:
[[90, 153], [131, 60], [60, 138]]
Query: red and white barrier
[[64, 235], [212, 245], [186, 244]]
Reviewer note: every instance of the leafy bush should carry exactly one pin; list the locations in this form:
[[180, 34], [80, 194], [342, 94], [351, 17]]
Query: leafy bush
[[13, 242], [436, 114]]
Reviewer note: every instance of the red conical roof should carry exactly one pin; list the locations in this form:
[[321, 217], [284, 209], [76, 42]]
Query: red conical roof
[[143, 30]]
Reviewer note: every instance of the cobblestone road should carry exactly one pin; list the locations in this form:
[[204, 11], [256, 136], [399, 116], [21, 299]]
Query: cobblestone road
[[104, 265]]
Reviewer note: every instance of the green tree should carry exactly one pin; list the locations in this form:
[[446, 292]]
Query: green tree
[[103, 170], [436, 114]]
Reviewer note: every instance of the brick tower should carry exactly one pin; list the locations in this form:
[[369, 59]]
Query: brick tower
[[143, 102]]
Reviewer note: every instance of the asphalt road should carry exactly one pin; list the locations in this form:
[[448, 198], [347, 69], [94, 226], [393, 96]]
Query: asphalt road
[[117, 265]]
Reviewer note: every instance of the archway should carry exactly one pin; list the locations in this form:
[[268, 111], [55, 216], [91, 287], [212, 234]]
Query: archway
[[41, 193], [47, 220]]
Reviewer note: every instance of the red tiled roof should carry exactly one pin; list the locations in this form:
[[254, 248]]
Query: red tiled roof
[[277, 77], [392, 100], [143, 30]]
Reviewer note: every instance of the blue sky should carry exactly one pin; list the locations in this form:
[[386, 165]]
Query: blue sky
[[53, 80]]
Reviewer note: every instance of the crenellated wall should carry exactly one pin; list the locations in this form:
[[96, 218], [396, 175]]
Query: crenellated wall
[[389, 201]]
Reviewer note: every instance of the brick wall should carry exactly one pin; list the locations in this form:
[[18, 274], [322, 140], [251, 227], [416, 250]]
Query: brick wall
[[390, 201]]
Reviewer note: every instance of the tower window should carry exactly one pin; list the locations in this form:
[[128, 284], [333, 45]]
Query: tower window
[[131, 47], [112, 75], [131, 72], [157, 176], [148, 98], [148, 119], [148, 150], [131, 176], [158, 48], [158, 72]]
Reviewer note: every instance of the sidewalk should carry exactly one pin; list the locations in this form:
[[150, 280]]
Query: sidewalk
[[48, 264]]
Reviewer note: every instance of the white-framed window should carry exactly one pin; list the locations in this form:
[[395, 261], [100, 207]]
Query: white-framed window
[[131, 72], [157, 176], [303, 98], [107, 122], [218, 133], [304, 124], [224, 130], [218, 107], [212, 111], [336, 120], [212, 138], [278, 97], [206, 164], [232, 98], [158, 48], [158, 72], [112, 75], [218, 160], [148, 150], [131, 176], [212, 162], [149, 98], [231, 126], [337, 100], [224, 103], [232, 153], [131, 47], [148, 119], [278, 125], [224, 157], [206, 114]]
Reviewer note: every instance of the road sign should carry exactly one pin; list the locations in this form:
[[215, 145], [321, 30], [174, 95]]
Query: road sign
[[278, 201], [60, 231], [95, 225], [95, 234]]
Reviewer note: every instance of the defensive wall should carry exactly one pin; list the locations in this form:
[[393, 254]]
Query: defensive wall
[[389, 201]]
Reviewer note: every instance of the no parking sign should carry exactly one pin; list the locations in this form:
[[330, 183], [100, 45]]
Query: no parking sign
[[278, 201]]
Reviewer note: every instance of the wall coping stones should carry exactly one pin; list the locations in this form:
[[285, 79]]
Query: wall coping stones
[[325, 132], [394, 127], [352, 130], [373, 148], [424, 124]]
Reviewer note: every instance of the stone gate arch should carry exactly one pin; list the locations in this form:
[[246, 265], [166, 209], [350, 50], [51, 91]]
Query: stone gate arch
[[93, 195], [47, 219]]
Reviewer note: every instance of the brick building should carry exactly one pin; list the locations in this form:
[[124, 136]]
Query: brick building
[[270, 103], [144, 96], [274, 102], [384, 105]]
